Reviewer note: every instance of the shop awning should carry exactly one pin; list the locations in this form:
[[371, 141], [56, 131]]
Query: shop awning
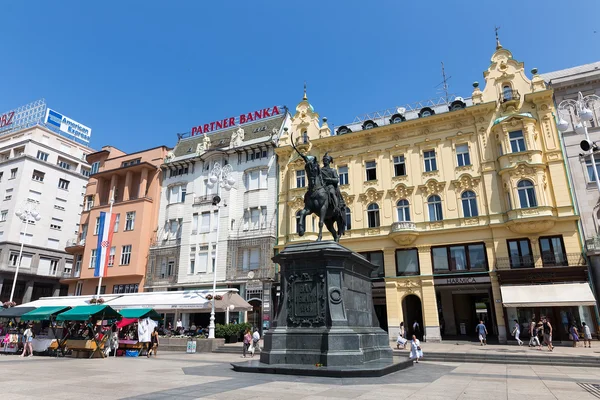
[[555, 295], [67, 301], [189, 300], [137, 313], [15, 312], [94, 312], [43, 313]]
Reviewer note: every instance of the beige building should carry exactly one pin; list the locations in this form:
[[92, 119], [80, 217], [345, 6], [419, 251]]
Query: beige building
[[465, 207]]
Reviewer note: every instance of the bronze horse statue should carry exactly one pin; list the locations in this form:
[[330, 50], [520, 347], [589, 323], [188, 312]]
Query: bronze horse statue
[[317, 201]]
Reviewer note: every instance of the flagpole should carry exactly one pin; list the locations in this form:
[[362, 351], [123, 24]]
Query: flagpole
[[108, 255]]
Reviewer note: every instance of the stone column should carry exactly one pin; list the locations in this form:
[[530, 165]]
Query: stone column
[[143, 183], [430, 312], [1, 283], [127, 186], [114, 181], [28, 292], [498, 308]]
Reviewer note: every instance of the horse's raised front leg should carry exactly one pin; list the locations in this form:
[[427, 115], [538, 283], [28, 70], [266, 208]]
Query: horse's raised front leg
[[302, 222]]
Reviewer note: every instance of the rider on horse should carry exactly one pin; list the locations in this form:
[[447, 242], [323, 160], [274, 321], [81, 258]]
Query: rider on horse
[[330, 181]]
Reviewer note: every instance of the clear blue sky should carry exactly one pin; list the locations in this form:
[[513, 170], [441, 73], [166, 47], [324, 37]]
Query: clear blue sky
[[138, 72]]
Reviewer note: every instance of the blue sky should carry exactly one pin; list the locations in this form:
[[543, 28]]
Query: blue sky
[[138, 72]]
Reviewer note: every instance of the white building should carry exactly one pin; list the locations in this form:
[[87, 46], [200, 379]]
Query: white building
[[187, 249], [49, 171]]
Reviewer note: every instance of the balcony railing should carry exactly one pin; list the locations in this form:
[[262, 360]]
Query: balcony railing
[[166, 242], [258, 273], [75, 242], [565, 260], [204, 199], [592, 244], [508, 95], [403, 226]]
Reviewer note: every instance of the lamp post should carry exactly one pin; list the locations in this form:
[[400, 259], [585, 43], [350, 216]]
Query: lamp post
[[222, 177], [579, 112], [26, 213]]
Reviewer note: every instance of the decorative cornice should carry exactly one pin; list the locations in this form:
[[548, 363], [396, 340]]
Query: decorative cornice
[[401, 191], [371, 195], [466, 182], [432, 186]]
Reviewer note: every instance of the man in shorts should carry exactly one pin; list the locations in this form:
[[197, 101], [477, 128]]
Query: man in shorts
[[482, 332]]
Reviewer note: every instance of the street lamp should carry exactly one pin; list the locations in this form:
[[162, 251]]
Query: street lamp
[[579, 112], [221, 176], [26, 213]]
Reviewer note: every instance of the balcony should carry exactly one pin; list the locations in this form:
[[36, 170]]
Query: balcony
[[509, 99], [404, 232], [531, 220], [159, 279], [593, 246], [203, 199], [261, 273], [165, 243], [565, 260], [75, 245]]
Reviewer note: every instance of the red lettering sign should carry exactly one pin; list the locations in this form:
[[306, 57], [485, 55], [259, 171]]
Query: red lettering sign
[[7, 119], [229, 122]]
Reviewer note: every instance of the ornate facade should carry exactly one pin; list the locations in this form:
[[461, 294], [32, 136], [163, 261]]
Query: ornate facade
[[444, 199]]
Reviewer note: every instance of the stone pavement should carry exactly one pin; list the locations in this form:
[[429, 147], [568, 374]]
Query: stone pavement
[[189, 376]]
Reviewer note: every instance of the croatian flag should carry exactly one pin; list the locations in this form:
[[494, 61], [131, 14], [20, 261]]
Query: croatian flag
[[105, 234]]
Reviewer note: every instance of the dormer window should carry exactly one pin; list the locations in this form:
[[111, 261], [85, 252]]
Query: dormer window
[[368, 124], [426, 112], [457, 105], [397, 118], [305, 137], [343, 130]]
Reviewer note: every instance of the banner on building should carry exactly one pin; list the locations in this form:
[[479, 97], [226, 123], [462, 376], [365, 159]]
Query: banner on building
[[68, 125]]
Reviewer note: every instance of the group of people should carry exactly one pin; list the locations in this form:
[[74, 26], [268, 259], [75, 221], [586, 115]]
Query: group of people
[[541, 332], [251, 342], [415, 344]]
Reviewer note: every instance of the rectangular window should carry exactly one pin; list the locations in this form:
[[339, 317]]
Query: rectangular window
[[253, 179], [205, 221], [552, 250], [8, 194], [13, 259], [254, 218], [13, 173], [399, 166], [517, 141], [63, 164], [371, 170], [93, 258], [53, 267], [78, 288], [95, 168], [42, 156], [590, 169], [407, 262], [183, 193], [192, 265], [102, 289], [463, 157], [3, 215], [97, 226], [300, 178], [131, 162], [85, 172], [111, 256], [520, 255], [459, 258], [130, 221], [343, 174], [195, 223], [126, 254], [251, 259], [430, 161], [89, 202], [376, 258], [117, 220], [63, 184]]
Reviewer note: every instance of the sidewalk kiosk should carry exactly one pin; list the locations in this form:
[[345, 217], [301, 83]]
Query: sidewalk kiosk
[[50, 337], [131, 316], [11, 342]]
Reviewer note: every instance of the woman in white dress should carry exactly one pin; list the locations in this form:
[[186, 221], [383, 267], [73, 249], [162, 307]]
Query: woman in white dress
[[415, 349]]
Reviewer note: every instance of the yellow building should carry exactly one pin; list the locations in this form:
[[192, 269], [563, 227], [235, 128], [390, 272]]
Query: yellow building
[[466, 207]]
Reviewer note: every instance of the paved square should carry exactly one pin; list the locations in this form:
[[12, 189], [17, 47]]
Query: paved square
[[209, 376]]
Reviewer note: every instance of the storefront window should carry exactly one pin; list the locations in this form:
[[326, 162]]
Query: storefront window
[[520, 253], [459, 258], [375, 257], [407, 262]]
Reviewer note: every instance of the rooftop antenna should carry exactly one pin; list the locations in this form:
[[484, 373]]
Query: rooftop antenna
[[498, 45], [444, 84]]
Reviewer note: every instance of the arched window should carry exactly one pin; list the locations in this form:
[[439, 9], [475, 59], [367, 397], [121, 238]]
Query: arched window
[[469, 203], [526, 194], [305, 137], [373, 215], [434, 204], [348, 219], [507, 93], [298, 219], [403, 209]]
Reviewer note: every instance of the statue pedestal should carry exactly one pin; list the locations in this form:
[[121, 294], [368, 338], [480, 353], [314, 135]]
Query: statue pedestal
[[325, 316]]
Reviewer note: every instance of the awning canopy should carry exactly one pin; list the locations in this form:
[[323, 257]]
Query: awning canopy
[[554, 295], [67, 301], [43, 313], [94, 312], [14, 312], [137, 313], [190, 300]]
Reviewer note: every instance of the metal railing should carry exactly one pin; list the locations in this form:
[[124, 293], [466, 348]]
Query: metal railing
[[165, 242], [75, 242], [592, 244], [508, 95], [204, 199], [403, 226], [564, 260]]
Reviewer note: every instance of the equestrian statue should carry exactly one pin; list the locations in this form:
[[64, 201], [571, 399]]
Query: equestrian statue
[[323, 197]]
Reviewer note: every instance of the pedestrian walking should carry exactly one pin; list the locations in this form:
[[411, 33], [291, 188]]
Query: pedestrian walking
[[416, 329], [533, 339], [516, 332], [587, 335], [255, 341], [481, 330], [27, 342], [154, 341], [574, 334], [547, 328], [247, 341], [415, 349], [401, 341]]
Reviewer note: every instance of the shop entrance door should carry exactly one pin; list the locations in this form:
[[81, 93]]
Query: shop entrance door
[[469, 309], [413, 312]]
